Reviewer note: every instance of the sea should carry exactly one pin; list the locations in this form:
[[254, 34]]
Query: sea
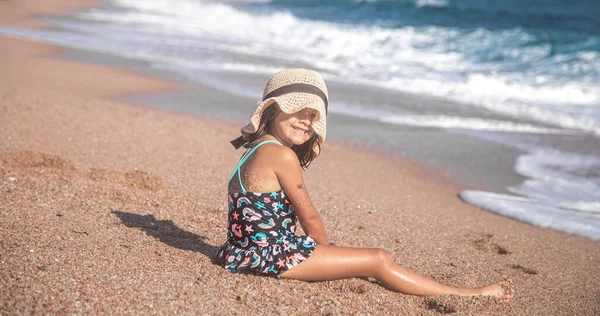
[[524, 74]]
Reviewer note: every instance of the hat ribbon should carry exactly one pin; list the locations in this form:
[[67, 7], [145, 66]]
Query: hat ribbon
[[238, 142], [298, 87]]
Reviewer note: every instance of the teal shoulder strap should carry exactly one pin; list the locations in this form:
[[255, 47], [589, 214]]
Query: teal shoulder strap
[[245, 157]]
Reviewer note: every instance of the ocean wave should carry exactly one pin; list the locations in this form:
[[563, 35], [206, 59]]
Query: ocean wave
[[558, 89], [565, 15], [443, 121], [554, 178], [468, 123], [536, 212], [516, 99], [417, 3], [432, 3], [561, 189]]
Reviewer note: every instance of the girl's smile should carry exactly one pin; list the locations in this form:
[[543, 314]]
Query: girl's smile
[[301, 132], [295, 128]]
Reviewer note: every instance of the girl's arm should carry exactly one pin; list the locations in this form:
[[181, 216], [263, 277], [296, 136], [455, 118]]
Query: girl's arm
[[289, 174]]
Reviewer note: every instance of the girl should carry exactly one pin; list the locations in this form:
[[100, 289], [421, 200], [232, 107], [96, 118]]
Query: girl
[[267, 194]]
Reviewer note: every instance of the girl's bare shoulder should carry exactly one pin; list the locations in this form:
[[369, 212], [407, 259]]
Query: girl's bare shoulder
[[275, 150], [276, 155]]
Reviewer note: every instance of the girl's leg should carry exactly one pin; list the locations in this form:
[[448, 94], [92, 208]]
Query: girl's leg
[[332, 262]]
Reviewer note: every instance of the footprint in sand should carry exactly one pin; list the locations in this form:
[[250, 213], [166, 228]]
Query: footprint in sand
[[524, 269], [435, 305], [135, 179], [28, 162], [144, 180], [357, 289], [485, 242], [352, 286], [32, 159]]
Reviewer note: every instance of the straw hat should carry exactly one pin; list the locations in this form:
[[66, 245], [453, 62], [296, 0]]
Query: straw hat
[[293, 90]]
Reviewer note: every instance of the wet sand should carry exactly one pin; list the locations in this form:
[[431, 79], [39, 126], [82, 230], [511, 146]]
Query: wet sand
[[108, 207]]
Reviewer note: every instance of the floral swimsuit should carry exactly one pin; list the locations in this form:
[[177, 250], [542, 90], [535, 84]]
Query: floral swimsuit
[[261, 231]]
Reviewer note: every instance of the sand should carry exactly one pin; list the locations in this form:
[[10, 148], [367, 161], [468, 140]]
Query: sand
[[114, 208]]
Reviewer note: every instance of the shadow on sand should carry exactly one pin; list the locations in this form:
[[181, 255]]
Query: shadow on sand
[[167, 232]]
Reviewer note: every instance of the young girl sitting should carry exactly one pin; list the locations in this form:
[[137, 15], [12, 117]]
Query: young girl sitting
[[267, 194]]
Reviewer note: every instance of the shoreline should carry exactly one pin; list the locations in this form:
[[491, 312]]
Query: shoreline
[[116, 208]]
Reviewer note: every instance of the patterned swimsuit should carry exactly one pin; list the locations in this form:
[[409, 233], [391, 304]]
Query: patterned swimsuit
[[261, 231]]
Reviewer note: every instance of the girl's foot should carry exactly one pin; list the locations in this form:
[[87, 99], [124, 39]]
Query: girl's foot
[[501, 290]]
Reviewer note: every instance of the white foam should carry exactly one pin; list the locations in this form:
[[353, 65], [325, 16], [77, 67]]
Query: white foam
[[515, 99], [418, 3], [431, 3], [469, 123], [535, 212], [562, 190], [559, 178]]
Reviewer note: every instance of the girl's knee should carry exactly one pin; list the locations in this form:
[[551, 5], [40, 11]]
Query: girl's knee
[[381, 256], [379, 261]]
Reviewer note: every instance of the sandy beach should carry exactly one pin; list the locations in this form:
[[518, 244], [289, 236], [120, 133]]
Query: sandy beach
[[115, 208]]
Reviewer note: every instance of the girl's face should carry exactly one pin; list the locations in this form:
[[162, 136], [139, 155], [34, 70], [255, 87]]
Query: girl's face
[[295, 128]]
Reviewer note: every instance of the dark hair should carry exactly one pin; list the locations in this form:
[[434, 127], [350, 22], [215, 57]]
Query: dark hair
[[304, 152]]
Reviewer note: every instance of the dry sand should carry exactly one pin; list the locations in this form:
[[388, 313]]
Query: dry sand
[[112, 208]]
